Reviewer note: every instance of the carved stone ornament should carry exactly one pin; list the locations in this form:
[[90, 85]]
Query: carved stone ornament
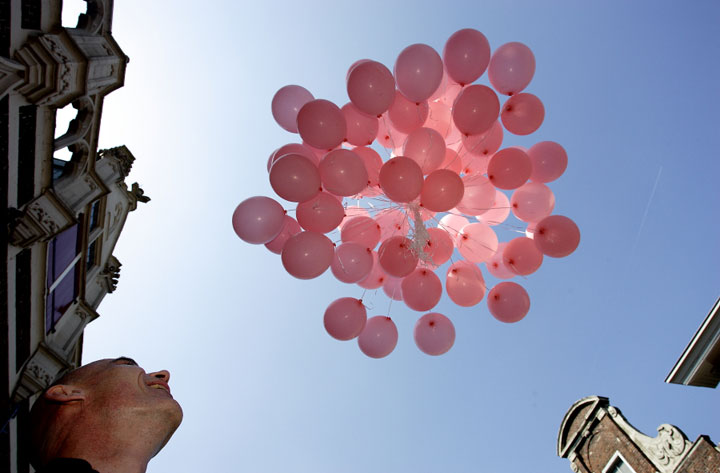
[[668, 445]]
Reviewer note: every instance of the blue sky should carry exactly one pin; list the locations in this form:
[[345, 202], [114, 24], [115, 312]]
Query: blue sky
[[630, 91]]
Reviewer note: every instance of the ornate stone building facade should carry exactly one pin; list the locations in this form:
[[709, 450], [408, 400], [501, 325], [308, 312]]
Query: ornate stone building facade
[[597, 438], [63, 216]]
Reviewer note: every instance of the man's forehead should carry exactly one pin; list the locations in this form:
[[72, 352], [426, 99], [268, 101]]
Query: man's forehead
[[100, 365]]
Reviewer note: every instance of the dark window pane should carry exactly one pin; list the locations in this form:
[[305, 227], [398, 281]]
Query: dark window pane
[[94, 215], [64, 251], [61, 298], [92, 250]]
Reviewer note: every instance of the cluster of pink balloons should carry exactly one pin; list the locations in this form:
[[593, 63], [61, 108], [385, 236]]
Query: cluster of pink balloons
[[440, 190]]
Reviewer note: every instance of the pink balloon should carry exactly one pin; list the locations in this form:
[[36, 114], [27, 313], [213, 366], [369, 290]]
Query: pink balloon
[[452, 161], [379, 337], [466, 55], [421, 289], [397, 257], [373, 162], [292, 148], [319, 153], [377, 276], [361, 128], [286, 104], [474, 164], [371, 87], [258, 220], [307, 255], [479, 195], [353, 211], [392, 288], [322, 214], [476, 242], [362, 230], [530, 230], [353, 66], [452, 224], [532, 201], [401, 179], [511, 68], [509, 168], [495, 265], [345, 318], [484, 144], [475, 110], [295, 178], [439, 248], [434, 334], [406, 115], [440, 119], [442, 190], [508, 302], [522, 114], [426, 147], [290, 227], [321, 124], [393, 222], [499, 211], [351, 263], [465, 284], [549, 161], [343, 172], [418, 72], [388, 136], [556, 236], [521, 256]]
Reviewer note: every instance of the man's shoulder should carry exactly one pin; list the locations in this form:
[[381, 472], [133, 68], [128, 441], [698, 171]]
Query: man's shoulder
[[67, 465]]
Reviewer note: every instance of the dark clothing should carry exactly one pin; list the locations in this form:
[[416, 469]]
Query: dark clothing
[[67, 465]]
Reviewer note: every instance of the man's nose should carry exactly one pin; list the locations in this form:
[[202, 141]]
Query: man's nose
[[162, 374]]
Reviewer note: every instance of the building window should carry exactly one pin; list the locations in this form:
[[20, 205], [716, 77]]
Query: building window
[[91, 259], [618, 464], [94, 215], [62, 275]]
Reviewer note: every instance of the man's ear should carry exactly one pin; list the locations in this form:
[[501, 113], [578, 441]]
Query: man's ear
[[65, 393]]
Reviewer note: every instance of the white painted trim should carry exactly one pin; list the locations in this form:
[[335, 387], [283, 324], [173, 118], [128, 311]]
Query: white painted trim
[[617, 455]]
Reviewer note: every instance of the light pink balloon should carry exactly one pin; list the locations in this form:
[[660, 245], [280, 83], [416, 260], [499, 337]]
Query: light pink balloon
[[426, 147], [342, 172], [465, 284], [521, 256], [509, 168], [345, 318], [479, 195], [361, 128], [474, 164], [307, 255], [511, 68], [373, 162], [421, 289], [434, 334], [549, 161], [362, 230], [319, 153], [393, 222], [508, 302], [440, 119], [286, 104], [530, 230], [321, 124], [295, 178], [532, 201], [475, 110], [351, 263], [388, 136], [442, 190], [439, 248], [377, 276], [322, 214], [522, 114], [477, 242], [406, 115], [379, 337], [452, 224], [258, 220], [401, 179], [466, 55], [495, 265], [392, 288], [371, 87], [397, 257], [290, 227], [499, 211], [452, 161], [418, 72], [484, 144], [556, 236], [353, 211]]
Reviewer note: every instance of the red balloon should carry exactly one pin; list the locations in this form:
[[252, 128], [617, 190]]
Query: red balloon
[[307, 255], [351, 263], [434, 334], [371, 87], [476, 242], [421, 289], [258, 220], [322, 214], [295, 178], [401, 179], [509, 168], [343, 172], [521, 256], [362, 230], [290, 227], [379, 337], [286, 104], [426, 147], [321, 124], [292, 148], [484, 144], [532, 201], [397, 257], [442, 190], [361, 128], [511, 68], [556, 236], [549, 161], [345, 318], [508, 302], [418, 72], [377, 276], [465, 284], [475, 110], [406, 115], [522, 114], [466, 55], [479, 195]]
